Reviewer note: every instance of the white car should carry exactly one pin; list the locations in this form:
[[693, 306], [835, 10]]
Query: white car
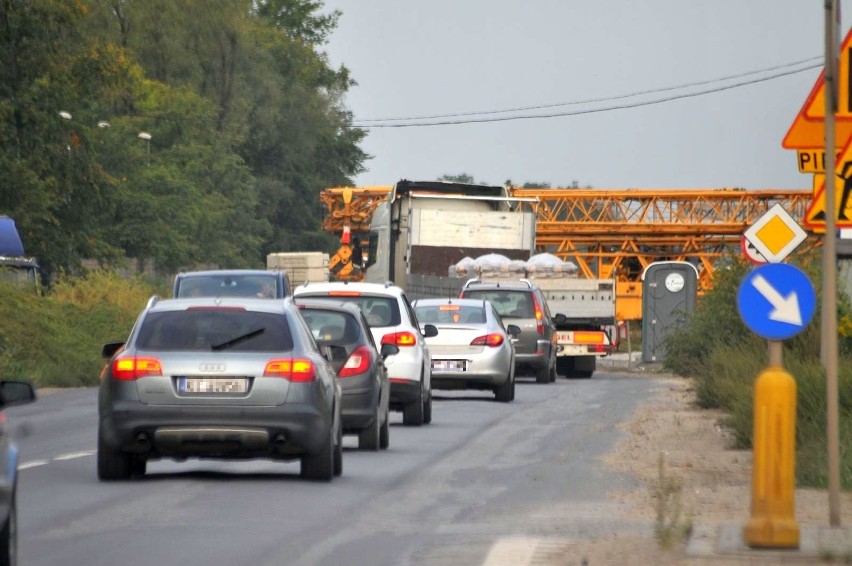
[[392, 321]]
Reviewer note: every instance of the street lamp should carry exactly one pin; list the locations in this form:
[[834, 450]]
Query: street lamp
[[147, 137]]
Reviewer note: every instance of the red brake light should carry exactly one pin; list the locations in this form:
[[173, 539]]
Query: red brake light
[[358, 362], [490, 340], [399, 339], [297, 371], [344, 294], [132, 368], [539, 322]]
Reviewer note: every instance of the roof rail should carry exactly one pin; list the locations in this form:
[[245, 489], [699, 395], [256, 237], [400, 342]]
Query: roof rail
[[152, 301]]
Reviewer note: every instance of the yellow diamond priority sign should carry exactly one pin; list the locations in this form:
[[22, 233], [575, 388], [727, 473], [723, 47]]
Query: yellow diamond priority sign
[[775, 235]]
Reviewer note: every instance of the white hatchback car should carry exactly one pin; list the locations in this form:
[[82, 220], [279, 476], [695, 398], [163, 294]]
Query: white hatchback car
[[392, 321]]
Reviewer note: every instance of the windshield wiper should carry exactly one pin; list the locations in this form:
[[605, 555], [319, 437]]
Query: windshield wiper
[[237, 340]]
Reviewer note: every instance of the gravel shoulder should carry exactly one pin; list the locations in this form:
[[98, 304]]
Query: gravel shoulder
[[714, 484]]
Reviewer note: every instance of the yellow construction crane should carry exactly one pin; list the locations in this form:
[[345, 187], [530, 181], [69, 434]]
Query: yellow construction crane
[[348, 211], [607, 233]]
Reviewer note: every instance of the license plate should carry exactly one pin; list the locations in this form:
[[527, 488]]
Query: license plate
[[212, 385], [449, 365]]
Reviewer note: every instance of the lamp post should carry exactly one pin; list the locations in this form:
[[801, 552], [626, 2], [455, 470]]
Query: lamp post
[[147, 137]]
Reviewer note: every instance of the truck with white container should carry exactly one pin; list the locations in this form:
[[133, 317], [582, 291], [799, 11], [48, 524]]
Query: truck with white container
[[582, 310], [424, 227], [584, 313]]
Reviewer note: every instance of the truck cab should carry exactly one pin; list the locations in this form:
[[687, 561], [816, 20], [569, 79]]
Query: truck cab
[[15, 266]]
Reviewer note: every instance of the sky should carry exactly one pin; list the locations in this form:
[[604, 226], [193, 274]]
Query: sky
[[414, 58]]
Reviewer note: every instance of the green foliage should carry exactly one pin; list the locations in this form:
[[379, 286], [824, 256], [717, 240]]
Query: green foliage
[[460, 178], [55, 341], [245, 115], [724, 359]]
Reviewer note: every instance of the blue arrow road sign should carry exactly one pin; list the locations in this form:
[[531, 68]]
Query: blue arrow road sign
[[776, 301]]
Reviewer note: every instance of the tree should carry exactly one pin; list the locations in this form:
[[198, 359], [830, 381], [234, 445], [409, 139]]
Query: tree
[[460, 178]]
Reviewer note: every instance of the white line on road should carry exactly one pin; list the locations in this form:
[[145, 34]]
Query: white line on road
[[511, 552], [32, 464], [73, 455]]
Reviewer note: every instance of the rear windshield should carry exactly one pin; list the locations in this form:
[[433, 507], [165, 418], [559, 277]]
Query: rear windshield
[[378, 310], [215, 329], [515, 304], [450, 314], [331, 327], [258, 285]]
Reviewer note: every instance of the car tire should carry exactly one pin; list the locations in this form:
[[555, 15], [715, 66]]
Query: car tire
[[112, 464], [543, 375], [370, 438], [553, 372], [412, 414], [338, 454], [320, 466], [138, 466], [9, 535], [503, 392], [565, 366], [384, 433], [427, 409]]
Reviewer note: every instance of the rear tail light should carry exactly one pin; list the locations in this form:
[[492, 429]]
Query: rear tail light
[[132, 368], [399, 339], [539, 316], [491, 340], [358, 362], [598, 348], [297, 371]]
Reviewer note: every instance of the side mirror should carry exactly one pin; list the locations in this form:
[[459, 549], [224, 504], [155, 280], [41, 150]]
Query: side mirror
[[514, 330], [389, 350], [110, 349], [430, 330], [560, 319], [16, 393]]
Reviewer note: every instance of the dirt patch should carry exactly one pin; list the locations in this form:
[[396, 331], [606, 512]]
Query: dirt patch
[[714, 480]]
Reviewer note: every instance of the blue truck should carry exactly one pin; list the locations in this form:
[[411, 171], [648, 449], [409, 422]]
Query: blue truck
[[15, 266]]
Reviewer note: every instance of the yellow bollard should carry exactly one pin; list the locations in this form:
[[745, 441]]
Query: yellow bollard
[[773, 511]]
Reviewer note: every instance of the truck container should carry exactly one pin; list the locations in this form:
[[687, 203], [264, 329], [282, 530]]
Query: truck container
[[302, 267], [424, 227]]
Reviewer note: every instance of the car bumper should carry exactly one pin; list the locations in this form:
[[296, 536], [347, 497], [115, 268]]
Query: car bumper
[[282, 432], [404, 392], [358, 408], [538, 359]]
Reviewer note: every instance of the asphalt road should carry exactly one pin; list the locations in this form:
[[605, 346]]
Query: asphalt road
[[462, 490]]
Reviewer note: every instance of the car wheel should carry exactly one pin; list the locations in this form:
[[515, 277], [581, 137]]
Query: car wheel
[[370, 438], [320, 466], [565, 366], [338, 454], [553, 372], [427, 409], [543, 375], [112, 464], [384, 433], [412, 414], [9, 535], [503, 392], [138, 466]]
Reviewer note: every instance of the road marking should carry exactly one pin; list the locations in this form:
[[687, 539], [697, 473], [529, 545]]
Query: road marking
[[511, 552], [33, 464], [73, 455]]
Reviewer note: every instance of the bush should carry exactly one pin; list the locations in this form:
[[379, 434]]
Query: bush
[[56, 340], [724, 358]]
